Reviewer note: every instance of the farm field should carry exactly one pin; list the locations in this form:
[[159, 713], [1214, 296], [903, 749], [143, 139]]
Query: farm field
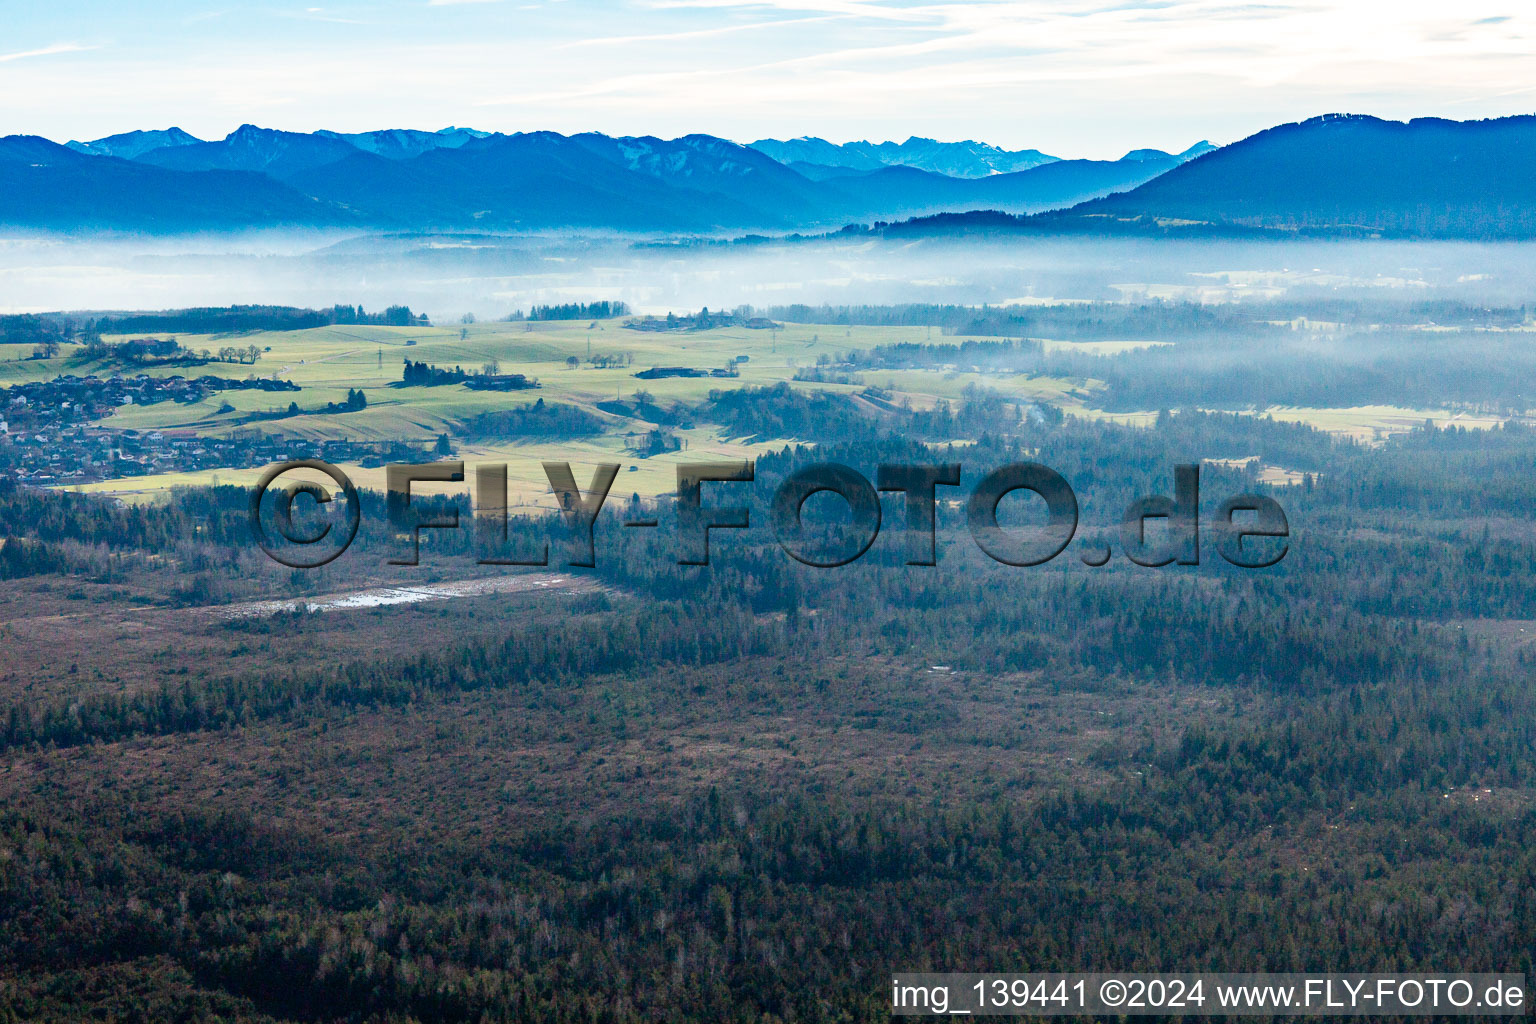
[[326, 362], [1370, 423], [527, 486], [329, 363]]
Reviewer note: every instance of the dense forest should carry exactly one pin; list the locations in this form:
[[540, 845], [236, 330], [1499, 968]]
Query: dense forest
[[751, 790], [538, 419], [233, 319], [1098, 320], [579, 311]]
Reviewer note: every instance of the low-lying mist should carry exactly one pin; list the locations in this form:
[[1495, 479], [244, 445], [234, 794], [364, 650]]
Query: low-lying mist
[[493, 275]]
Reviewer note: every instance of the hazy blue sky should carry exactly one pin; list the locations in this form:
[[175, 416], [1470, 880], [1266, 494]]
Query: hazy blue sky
[[1071, 77]]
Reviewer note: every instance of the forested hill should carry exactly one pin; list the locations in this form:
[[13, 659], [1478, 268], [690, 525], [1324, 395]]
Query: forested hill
[[1427, 177]]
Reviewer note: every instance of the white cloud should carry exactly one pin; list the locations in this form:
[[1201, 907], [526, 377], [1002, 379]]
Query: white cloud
[[698, 33], [46, 51], [1074, 77]]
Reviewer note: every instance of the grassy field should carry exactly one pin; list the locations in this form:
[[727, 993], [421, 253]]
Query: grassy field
[[1374, 422], [328, 362], [527, 486]]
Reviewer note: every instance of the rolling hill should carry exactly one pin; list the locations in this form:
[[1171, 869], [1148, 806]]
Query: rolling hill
[[1351, 173], [894, 192]]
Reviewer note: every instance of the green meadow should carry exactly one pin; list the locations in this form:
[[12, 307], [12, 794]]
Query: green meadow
[[329, 362]]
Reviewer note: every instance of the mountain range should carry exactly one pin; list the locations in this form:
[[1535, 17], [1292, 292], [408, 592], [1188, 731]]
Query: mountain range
[[45, 185], [460, 178], [818, 158], [1337, 173], [130, 145], [956, 159]]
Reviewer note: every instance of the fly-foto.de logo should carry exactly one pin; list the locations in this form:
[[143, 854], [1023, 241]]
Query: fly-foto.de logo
[[1249, 530]]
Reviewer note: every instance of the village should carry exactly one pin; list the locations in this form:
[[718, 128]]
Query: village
[[50, 432]]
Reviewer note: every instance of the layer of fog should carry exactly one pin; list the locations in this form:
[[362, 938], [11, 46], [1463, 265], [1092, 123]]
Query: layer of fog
[[490, 276]]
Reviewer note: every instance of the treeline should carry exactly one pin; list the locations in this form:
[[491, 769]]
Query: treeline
[[782, 411], [579, 311], [1099, 320], [540, 419], [30, 329], [487, 378], [21, 557], [1086, 321], [969, 353], [423, 375], [211, 514], [232, 319], [162, 351]]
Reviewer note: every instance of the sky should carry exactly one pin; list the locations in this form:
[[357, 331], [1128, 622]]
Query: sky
[[1074, 78]]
